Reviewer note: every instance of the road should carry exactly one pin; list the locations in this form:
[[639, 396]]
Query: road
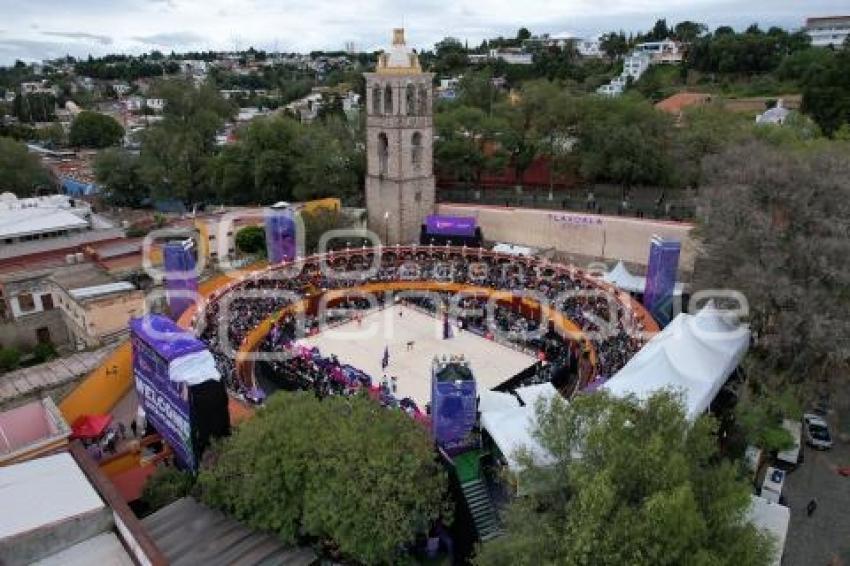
[[816, 540]]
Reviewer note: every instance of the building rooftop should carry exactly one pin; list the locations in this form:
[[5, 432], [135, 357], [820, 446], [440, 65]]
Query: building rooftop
[[678, 102], [190, 533], [43, 492], [18, 222], [31, 429], [104, 549], [81, 275], [97, 291]]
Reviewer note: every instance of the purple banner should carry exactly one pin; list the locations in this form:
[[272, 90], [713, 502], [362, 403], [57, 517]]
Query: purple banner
[[280, 235], [453, 410], [661, 278], [450, 225], [156, 341], [181, 283]]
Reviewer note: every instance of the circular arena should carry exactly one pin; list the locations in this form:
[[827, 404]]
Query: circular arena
[[266, 327]]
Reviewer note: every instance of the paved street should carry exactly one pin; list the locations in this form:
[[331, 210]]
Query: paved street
[[815, 540]]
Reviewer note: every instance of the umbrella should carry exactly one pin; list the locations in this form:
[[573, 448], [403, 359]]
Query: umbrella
[[90, 426]]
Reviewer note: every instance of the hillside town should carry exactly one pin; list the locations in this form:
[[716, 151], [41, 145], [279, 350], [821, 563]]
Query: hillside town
[[540, 297]]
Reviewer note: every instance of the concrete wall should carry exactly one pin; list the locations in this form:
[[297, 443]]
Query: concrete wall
[[586, 236], [22, 332]]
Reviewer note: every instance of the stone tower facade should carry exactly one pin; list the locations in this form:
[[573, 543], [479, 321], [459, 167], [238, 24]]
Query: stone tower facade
[[399, 138]]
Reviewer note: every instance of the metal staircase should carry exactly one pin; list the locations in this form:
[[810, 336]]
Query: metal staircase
[[481, 508]]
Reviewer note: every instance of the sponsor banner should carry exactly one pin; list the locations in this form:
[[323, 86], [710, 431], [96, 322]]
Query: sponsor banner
[[450, 225], [166, 403]]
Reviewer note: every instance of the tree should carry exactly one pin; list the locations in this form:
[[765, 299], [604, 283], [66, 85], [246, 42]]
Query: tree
[[773, 228], [648, 489], [826, 94], [95, 130], [357, 476], [21, 172], [319, 221], [117, 172], [466, 147], [624, 140], [688, 31], [614, 44], [176, 152], [659, 31], [522, 34], [251, 240]]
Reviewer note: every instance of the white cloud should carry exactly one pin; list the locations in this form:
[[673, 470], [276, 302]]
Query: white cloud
[[137, 25]]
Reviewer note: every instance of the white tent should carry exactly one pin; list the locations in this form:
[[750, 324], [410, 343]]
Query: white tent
[[771, 518], [531, 393], [512, 431], [694, 354], [513, 249], [623, 279], [496, 401]]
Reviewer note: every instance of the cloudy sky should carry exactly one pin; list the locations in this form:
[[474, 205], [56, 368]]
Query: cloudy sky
[[36, 29]]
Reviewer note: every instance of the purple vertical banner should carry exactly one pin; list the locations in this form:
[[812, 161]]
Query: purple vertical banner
[[453, 407], [280, 234], [181, 282], [661, 278]]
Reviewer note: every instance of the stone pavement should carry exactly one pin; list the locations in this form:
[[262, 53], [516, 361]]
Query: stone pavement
[[29, 383]]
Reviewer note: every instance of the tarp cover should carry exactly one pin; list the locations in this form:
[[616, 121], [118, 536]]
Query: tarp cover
[[90, 426], [450, 225], [165, 337], [694, 354]]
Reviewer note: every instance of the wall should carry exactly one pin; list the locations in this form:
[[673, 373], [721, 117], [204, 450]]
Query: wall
[[22, 332], [590, 236]]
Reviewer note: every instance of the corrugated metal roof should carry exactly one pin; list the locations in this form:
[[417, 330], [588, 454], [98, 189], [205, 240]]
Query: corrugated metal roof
[[99, 290], [190, 533], [37, 220]]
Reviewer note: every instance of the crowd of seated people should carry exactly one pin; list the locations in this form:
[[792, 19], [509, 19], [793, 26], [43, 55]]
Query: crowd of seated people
[[608, 323]]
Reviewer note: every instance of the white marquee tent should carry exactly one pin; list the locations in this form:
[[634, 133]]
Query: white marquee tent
[[694, 354], [623, 279]]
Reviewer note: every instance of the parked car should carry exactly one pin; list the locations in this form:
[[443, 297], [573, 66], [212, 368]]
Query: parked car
[[773, 484], [817, 432]]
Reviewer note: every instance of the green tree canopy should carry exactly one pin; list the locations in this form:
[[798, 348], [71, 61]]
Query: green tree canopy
[[21, 172], [467, 147], [624, 140], [176, 152], [95, 130], [117, 172], [251, 240], [647, 489], [774, 229], [345, 470]]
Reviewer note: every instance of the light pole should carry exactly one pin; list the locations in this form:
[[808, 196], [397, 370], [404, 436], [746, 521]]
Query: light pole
[[386, 227]]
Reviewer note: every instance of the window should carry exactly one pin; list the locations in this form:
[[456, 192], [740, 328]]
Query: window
[[388, 100], [423, 100], [376, 100], [26, 302], [416, 150], [47, 302], [410, 100], [383, 153]]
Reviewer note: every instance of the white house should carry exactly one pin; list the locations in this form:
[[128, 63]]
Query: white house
[[828, 32], [666, 51], [121, 88], [155, 104], [590, 47], [776, 115]]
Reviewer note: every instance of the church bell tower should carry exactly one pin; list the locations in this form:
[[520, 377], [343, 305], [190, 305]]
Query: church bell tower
[[399, 137]]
